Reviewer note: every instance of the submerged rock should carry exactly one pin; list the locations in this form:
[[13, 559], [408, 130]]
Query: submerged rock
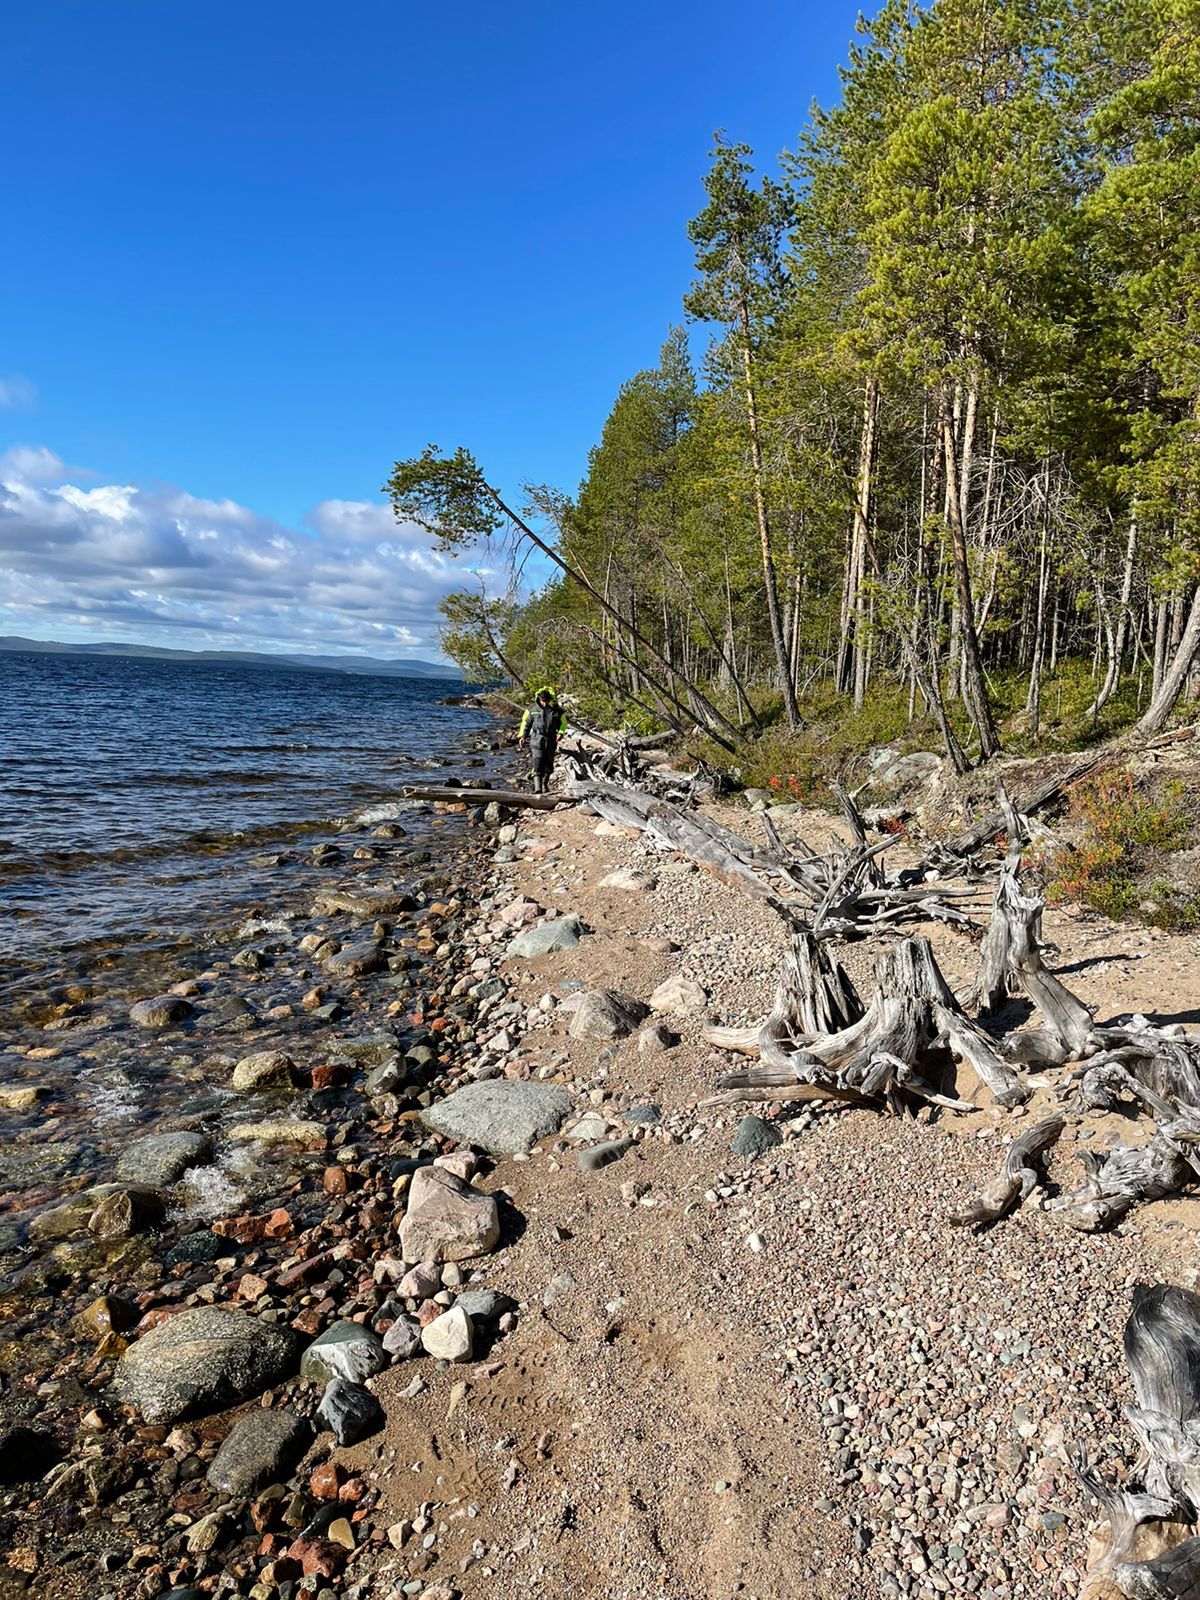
[[447, 1219], [262, 1448], [128, 1210], [202, 1359], [346, 1350], [161, 1159], [162, 1011], [607, 1014], [500, 1116]]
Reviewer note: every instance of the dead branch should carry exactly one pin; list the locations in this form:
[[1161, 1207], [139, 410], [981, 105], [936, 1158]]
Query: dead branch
[[1020, 1175]]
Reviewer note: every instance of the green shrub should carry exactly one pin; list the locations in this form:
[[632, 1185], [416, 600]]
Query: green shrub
[[1123, 833]]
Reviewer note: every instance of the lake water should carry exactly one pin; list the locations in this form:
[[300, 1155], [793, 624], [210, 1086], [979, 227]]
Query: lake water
[[143, 802]]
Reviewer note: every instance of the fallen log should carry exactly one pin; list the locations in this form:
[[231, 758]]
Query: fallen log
[[1020, 1175], [480, 797], [1040, 796], [841, 894], [1153, 1552]]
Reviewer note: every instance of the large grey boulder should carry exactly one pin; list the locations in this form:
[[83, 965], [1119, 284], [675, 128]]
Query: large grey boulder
[[499, 1116], [203, 1359], [607, 1014], [345, 1350], [161, 1159], [561, 934], [447, 1219], [263, 1448]]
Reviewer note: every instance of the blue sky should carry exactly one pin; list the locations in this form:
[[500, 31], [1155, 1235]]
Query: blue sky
[[256, 251]]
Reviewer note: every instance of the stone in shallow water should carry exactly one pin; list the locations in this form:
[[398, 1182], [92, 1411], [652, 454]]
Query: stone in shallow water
[[265, 1069], [161, 1159], [162, 1011], [127, 1211], [355, 961], [202, 1359], [346, 1350], [754, 1137], [279, 1130], [23, 1165], [349, 1409], [199, 1246], [262, 1448], [502, 1117]]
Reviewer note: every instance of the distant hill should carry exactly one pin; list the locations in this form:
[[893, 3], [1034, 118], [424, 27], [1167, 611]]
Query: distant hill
[[367, 666]]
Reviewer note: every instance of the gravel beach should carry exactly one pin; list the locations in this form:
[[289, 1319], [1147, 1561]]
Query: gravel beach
[[584, 1346]]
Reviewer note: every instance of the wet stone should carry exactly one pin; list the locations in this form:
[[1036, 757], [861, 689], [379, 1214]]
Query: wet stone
[[162, 1011], [262, 1448], [161, 1159]]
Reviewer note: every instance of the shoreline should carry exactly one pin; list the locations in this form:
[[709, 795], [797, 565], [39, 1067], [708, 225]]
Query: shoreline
[[649, 1400]]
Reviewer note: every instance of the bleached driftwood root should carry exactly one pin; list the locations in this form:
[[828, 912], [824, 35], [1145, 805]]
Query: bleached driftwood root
[[885, 1054], [1153, 1551], [1020, 1175]]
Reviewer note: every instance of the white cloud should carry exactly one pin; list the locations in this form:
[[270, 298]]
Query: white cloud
[[17, 393], [31, 463], [164, 566]]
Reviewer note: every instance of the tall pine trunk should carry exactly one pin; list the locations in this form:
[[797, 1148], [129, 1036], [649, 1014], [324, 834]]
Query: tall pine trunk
[[1175, 676], [974, 686], [764, 527]]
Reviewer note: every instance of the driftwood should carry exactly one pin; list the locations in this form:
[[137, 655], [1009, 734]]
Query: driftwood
[[841, 894], [1018, 1177], [887, 1054], [1153, 1551], [1124, 1177], [1040, 796], [480, 797], [1011, 958]]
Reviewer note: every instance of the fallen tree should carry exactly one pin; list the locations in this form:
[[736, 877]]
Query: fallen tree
[[839, 894]]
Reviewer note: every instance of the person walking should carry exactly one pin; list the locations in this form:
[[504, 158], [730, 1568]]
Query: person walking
[[540, 728]]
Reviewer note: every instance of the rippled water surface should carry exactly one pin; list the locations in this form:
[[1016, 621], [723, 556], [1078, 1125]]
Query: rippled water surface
[[141, 800]]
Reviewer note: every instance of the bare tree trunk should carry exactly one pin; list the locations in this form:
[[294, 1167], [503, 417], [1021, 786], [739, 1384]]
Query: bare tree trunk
[[862, 522], [1118, 640], [1162, 703], [973, 681], [1160, 648], [764, 527], [1033, 704]]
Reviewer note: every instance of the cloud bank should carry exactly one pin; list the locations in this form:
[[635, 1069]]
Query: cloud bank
[[161, 566]]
